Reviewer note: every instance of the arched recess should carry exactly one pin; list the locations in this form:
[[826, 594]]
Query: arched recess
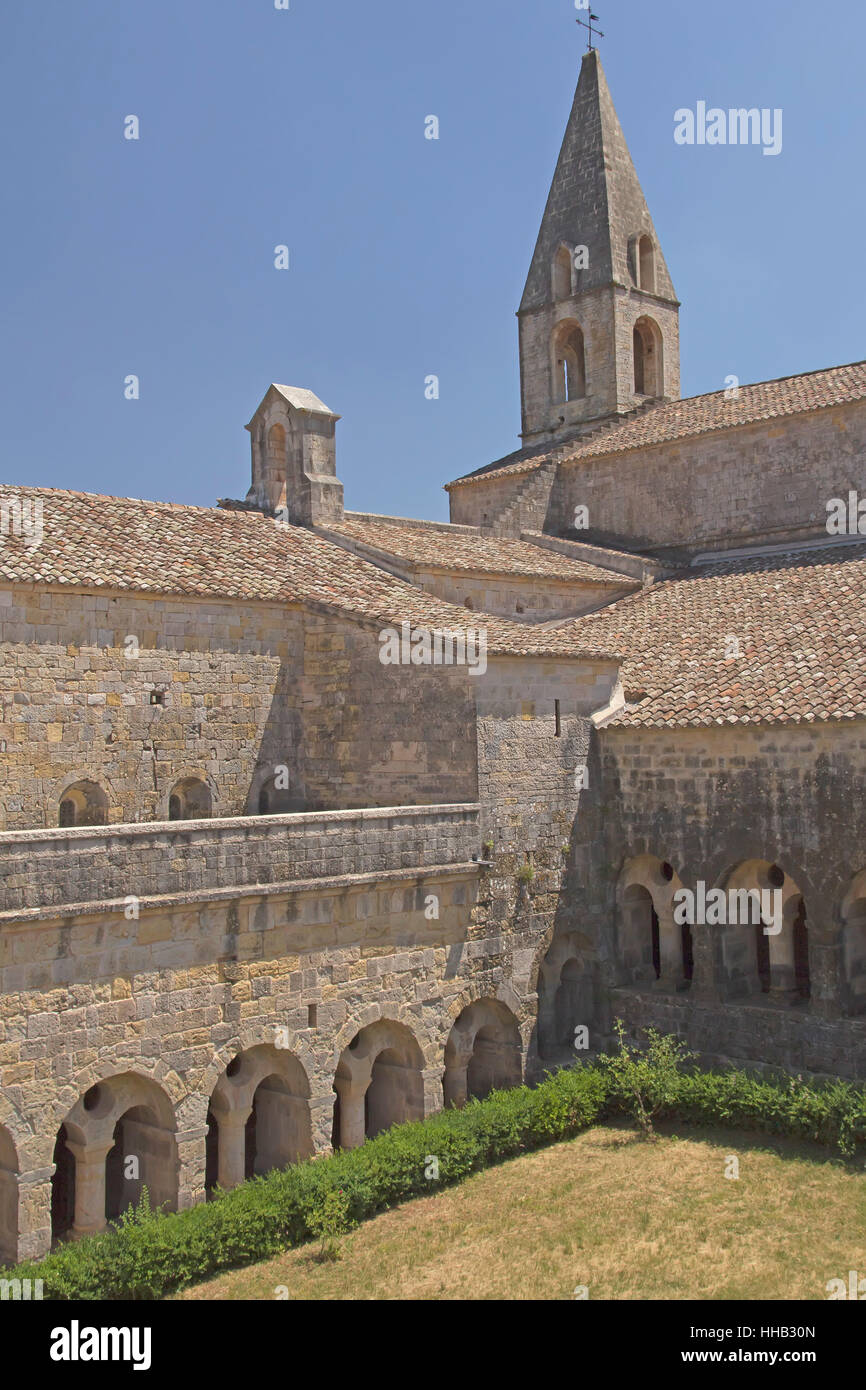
[[275, 458], [259, 1117], [854, 945], [118, 1138], [190, 799], [569, 362], [651, 946], [8, 1199], [483, 1052], [271, 797], [83, 803], [757, 961], [562, 277], [379, 1082], [648, 358], [567, 994], [646, 258]]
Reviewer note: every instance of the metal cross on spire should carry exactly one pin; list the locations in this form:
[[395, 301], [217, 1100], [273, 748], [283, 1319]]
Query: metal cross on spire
[[593, 33]]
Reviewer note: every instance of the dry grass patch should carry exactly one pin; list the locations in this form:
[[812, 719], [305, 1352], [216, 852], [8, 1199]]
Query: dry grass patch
[[629, 1219]]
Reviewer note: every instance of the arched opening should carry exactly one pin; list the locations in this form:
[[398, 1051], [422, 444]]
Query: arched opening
[[190, 800], [765, 943], [118, 1138], [570, 363], [688, 952], [802, 979], [259, 1117], [379, 1082], [762, 957], [566, 995], [274, 799], [648, 363], [62, 1188], [653, 945], [854, 945], [211, 1154], [640, 938], [647, 263], [8, 1199], [483, 1052], [562, 283], [143, 1154], [278, 1128], [275, 456], [85, 803]]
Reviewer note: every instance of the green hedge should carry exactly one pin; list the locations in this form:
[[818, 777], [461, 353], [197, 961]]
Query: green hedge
[[149, 1258], [832, 1114], [154, 1257]]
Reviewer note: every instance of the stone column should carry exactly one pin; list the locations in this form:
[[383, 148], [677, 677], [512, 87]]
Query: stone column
[[783, 979], [828, 986], [432, 1078], [89, 1187], [231, 1166], [670, 952], [353, 1130], [34, 1214]]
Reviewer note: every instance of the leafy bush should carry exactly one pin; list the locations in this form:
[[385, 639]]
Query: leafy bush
[[148, 1255], [645, 1081], [330, 1221], [831, 1113]]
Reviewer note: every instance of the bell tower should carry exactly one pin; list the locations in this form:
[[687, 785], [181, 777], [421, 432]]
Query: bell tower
[[599, 319], [294, 458]]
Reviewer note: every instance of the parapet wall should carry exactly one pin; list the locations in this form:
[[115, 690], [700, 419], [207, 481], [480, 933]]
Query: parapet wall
[[53, 868]]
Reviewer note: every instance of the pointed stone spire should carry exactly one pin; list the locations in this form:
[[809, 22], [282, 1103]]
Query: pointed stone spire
[[597, 276]]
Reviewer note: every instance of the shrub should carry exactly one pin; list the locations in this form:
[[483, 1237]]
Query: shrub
[[330, 1221], [150, 1254], [831, 1113], [645, 1081]]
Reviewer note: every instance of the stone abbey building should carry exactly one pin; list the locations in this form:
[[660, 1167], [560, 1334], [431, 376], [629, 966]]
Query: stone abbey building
[[262, 892]]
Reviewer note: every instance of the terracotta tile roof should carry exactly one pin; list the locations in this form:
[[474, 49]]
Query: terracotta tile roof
[[163, 548], [664, 422], [799, 621], [429, 547]]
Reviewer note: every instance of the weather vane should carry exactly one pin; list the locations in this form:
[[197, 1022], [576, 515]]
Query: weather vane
[[592, 32]]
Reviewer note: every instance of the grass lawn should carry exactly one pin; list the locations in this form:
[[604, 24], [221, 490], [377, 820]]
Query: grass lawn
[[626, 1218]]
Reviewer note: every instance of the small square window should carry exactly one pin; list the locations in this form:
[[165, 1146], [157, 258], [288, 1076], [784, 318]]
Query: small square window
[[157, 697]]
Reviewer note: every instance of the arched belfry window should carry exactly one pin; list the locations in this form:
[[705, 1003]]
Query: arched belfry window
[[648, 359], [275, 458], [647, 264], [569, 363], [562, 283]]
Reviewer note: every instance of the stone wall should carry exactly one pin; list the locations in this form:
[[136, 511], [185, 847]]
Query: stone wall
[[719, 805], [244, 688], [51, 869], [768, 482], [765, 482], [534, 599]]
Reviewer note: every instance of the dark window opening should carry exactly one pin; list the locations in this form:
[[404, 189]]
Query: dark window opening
[[557, 718], [657, 949], [762, 951], [688, 952]]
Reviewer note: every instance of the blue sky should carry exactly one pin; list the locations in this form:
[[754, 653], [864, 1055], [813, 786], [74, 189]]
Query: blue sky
[[408, 256]]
